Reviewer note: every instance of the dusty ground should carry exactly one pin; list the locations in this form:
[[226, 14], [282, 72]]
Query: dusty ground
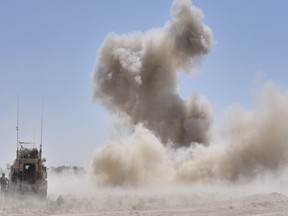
[[254, 199]]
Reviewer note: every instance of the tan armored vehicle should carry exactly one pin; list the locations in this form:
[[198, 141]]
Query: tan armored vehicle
[[28, 174]]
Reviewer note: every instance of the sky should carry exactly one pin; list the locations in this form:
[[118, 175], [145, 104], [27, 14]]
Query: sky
[[48, 53]]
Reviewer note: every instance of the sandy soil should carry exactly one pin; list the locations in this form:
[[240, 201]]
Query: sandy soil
[[167, 200]]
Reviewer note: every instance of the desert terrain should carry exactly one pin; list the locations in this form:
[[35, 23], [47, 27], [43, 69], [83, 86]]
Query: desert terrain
[[70, 194]]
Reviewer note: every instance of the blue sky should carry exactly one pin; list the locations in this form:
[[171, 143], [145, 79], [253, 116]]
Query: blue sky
[[48, 50]]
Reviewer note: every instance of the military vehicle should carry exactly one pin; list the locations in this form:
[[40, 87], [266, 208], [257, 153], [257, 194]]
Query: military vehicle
[[28, 174]]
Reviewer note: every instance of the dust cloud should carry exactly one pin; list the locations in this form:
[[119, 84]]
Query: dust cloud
[[255, 142], [73, 194], [171, 139], [137, 75]]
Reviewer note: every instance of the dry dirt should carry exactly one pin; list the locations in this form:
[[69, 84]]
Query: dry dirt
[[70, 195]]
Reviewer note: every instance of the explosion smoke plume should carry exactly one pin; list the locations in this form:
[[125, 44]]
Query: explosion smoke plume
[[256, 142], [137, 76]]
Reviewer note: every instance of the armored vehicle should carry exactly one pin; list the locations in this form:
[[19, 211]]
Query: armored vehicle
[[28, 174]]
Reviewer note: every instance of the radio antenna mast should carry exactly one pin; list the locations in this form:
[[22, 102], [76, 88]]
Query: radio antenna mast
[[41, 129], [17, 126]]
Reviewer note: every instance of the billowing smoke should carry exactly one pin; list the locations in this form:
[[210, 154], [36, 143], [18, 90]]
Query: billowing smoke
[[256, 143], [137, 159], [136, 77]]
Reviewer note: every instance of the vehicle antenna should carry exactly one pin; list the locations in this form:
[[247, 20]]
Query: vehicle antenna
[[41, 129], [17, 126]]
